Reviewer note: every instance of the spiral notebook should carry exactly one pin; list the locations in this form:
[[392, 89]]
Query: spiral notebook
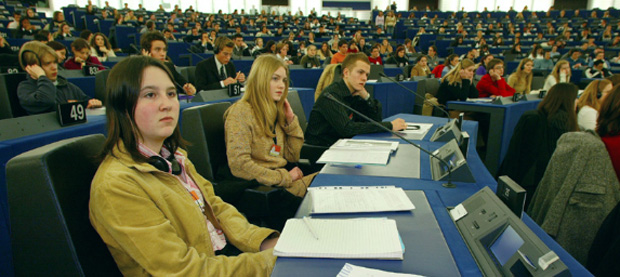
[[358, 238]]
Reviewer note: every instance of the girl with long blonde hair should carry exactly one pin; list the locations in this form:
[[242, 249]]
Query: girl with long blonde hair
[[263, 135], [521, 80]]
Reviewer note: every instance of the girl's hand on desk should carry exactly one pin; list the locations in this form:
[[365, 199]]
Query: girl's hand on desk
[[296, 174]]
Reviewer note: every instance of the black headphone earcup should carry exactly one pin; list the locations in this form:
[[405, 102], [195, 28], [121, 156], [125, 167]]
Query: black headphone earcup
[[161, 164]]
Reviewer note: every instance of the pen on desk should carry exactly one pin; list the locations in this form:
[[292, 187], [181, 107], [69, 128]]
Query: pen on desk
[[307, 222]]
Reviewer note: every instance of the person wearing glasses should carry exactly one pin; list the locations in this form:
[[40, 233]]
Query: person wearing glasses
[[493, 84]]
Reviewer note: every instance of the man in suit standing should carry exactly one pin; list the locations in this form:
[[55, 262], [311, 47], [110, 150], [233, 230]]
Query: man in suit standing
[[218, 71]]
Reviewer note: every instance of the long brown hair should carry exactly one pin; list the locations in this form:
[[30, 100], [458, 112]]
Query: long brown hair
[[590, 94], [122, 92], [608, 122], [454, 76], [521, 76], [257, 94], [561, 97]]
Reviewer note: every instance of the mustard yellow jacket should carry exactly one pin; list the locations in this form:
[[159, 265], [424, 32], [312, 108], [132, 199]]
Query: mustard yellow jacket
[[152, 227]]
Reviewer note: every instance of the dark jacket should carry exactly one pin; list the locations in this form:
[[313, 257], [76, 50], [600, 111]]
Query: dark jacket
[[308, 62], [531, 146], [398, 61], [329, 121], [178, 78], [456, 91], [605, 251], [208, 76], [577, 192], [41, 95]]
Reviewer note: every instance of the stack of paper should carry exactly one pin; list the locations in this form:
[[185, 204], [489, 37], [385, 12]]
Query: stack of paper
[[360, 238], [359, 199], [349, 270], [353, 151]]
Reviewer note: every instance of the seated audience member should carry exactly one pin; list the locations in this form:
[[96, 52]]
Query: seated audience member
[[64, 32], [536, 134], [574, 58], [433, 58], [263, 134], [399, 58], [329, 121], [386, 47], [58, 18], [493, 84], [14, 25], [87, 35], [458, 84], [24, 28], [81, 56], [545, 63], [375, 55], [343, 49], [472, 54], [154, 45], [282, 52], [310, 60], [156, 214], [600, 55], [325, 53], [561, 73], [450, 63], [61, 52], [608, 126], [43, 36], [421, 67], [101, 47], [589, 103], [43, 89], [484, 61], [241, 49], [218, 71], [326, 79], [521, 80], [597, 71]]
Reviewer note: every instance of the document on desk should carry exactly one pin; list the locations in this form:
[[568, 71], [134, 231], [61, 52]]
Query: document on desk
[[353, 151], [350, 270], [480, 100], [358, 199], [357, 238]]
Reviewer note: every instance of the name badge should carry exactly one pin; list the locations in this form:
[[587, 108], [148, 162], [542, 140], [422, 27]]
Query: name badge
[[275, 150], [90, 70], [72, 113], [234, 89]]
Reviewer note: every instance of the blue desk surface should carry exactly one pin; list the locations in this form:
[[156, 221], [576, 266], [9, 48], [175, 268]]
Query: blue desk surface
[[439, 199]]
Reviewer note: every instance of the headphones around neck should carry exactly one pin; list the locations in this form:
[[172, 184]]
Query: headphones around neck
[[161, 164]]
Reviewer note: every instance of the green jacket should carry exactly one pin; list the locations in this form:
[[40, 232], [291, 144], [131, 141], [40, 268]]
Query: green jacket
[[152, 226]]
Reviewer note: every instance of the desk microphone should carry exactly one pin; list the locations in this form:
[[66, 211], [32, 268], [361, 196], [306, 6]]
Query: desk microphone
[[416, 94], [94, 64], [447, 185]]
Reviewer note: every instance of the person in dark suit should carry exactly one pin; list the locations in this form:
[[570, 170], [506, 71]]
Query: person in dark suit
[[218, 71], [154, 45], [241, 49]]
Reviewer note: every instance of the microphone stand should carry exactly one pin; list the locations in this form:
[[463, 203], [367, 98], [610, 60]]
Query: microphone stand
[[416, 94], [449, 184]]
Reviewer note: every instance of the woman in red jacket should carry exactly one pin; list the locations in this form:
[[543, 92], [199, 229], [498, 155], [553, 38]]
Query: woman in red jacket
[[493, 84]]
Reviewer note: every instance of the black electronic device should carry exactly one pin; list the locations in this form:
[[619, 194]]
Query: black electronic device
[[234, 89], [90, 70], [518, 97], [416, 94], [375, 72], [448, 178], [448, 132], [450, 159], [511, 194], [501, 244]]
